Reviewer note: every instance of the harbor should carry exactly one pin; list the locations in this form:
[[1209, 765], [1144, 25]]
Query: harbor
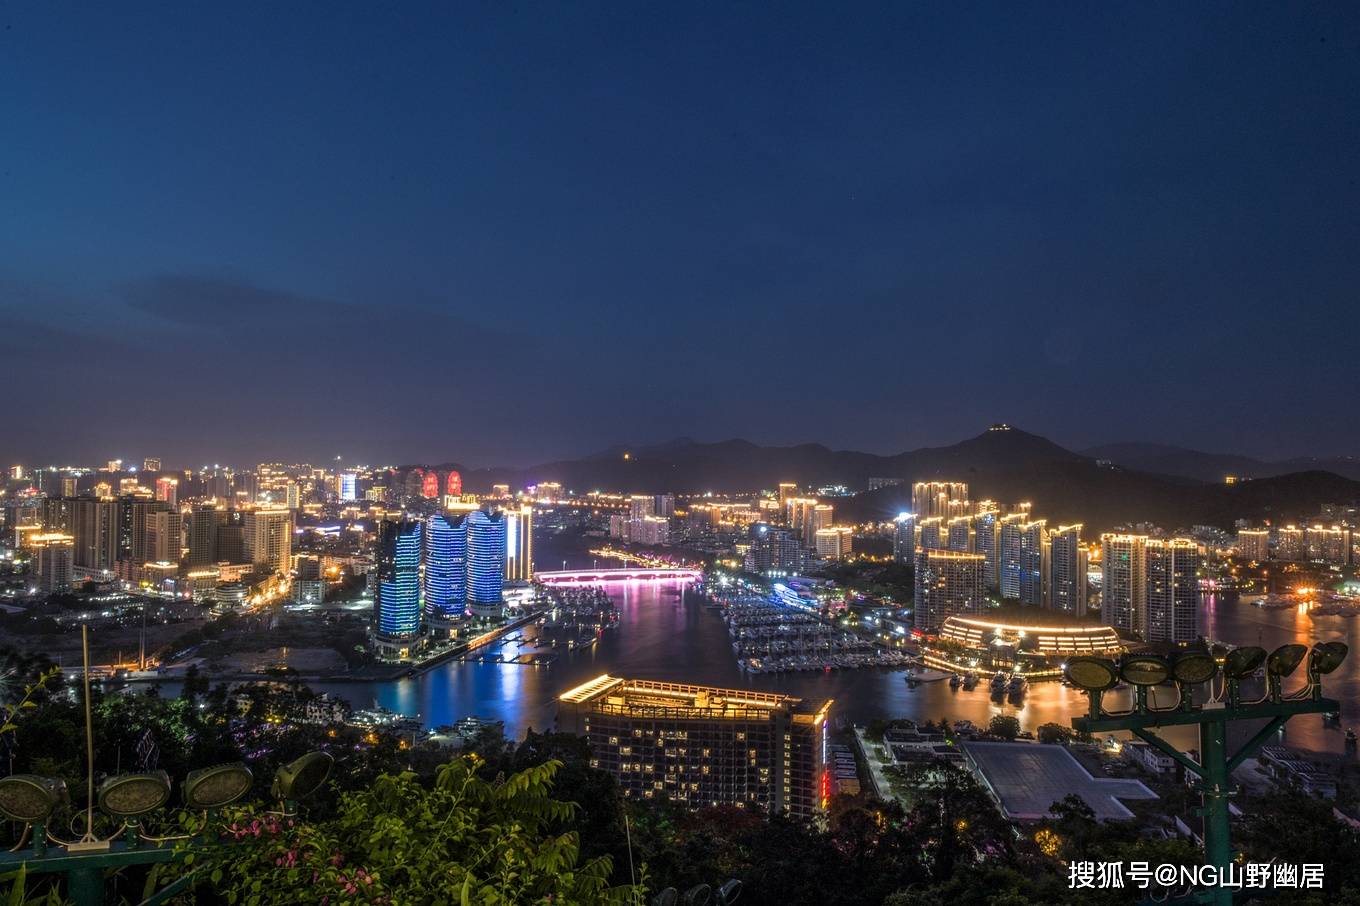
[[768, 636]]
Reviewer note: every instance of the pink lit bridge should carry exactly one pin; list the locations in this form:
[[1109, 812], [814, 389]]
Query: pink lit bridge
[[627, 574]]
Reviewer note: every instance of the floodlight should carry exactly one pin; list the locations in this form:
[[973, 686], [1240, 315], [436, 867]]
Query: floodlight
[[29, 798], [130, 795], [1285, 660], [728, 892], [1326, 657], [303, 777], [1093, 674], [698, 895], [1144, 669], [1243, 662], [667, 897], [1193, 667], [217, 786]]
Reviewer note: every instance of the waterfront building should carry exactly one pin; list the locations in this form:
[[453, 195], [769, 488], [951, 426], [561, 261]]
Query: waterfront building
[[1330, 545], [269, 539], [486, 539], [947, 583], [834, 543], [1065, 571], [1253, 544], [775, 551], [904, 537], [987, 541], [446, 569], [1032, 535], [1172, 589], [1290, 544], [699, 747], [1123, 583], [519, 543], [1008, 556], [396, 601], [939, 498]]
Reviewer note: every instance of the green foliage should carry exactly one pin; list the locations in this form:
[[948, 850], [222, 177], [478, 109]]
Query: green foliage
[[1006, 726], [462, 839], [1054, 733]]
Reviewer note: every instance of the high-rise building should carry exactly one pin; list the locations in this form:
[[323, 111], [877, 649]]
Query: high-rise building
[[641, 506], [1008, 557], [519, 543], [939, 498], [930, 534], [446, 568], [947, 583], [699, 747], [987, 542], [1124, 583], [904, 538], [94, 525], [269, 539], [834, 543], [499, 491], [164, 531], [231, 540], [309, 587], [1290, 544], [167, 489], [396, 602], [775, 551], [787, 491], [453, 484], [69, 486], [665, 505], [1253, 544], [1032, 562], [53, 554], [959, 534], [486, 538], [292, 496], [347, 485], [1172, 589], [151, 464], [203, 524], [1065, 571], [1328, 544]]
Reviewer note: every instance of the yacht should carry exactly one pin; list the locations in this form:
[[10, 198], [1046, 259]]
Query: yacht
[[954, 681], [970, 681]]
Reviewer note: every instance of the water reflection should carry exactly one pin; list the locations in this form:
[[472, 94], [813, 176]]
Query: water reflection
[[663, 634]]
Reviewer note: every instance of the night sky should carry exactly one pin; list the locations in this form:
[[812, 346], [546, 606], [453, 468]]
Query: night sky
[[501, 235]]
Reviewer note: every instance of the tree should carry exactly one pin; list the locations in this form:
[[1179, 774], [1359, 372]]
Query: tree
[[1054, 733], [464, 839], [1006, 726], [195, 684]]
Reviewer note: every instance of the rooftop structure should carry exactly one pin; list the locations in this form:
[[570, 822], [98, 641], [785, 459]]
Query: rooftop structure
[[1025, 779]]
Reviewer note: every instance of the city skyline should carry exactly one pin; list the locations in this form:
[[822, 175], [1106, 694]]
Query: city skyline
[[312, 214]]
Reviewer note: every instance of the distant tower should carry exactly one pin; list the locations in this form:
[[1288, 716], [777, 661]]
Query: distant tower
[[1123, 583], [519, 544], [445, 568], [1065, 578], [1172, 590], [430, 485], [453, 485]]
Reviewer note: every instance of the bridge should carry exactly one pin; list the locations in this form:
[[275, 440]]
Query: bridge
[[627, 574]]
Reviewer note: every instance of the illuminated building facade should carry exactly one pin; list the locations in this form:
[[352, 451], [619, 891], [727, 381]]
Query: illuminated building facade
[[486, 539], [939, 498], [959, 532], [446, 566], [834, 543], [930, 533], [904, 537], [947, 583], [1290, 544], [1123, 583], [774, 551], [519, 544], [1172, 606], [1008, 556], [1253, 544], [397, 598], [347, 487], [699, 747], [453, 484], [1065, 571], [1032, 536], [53, 560], [269, 539], [986, 541], [429, 484], [1328, 544], [167, 489]]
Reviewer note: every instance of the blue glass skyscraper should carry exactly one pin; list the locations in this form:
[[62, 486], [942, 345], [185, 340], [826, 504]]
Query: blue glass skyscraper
[[485, 562], [398, 596], [446, 567]]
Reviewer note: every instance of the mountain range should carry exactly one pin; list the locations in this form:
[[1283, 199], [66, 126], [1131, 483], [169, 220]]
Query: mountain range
[[1100, 487]]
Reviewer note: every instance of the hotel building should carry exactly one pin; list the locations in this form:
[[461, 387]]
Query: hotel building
[[698, 746], [947, 583]]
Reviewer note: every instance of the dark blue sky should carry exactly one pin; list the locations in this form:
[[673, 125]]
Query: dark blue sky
[[503, 234]]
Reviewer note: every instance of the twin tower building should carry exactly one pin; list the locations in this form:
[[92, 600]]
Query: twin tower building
[[436, 572]]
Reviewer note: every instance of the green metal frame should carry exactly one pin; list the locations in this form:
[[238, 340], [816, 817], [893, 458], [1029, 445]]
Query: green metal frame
[[1215, 765]]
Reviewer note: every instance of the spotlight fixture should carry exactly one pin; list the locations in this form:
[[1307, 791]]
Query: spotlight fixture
[[728, 892], [130, 795], [1093, 674], [698, 895], [29, 798], [667, 897], [1144, 669], [217, 786], [1326, 657], [303, 777], [1194, 667], [1285, 660], [1243, 662]]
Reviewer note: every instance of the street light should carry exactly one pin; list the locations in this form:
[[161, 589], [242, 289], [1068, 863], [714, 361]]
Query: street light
[[301, 778]]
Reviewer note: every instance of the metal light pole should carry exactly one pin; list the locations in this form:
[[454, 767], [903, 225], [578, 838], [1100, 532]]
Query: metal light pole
[[1215, 766]]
